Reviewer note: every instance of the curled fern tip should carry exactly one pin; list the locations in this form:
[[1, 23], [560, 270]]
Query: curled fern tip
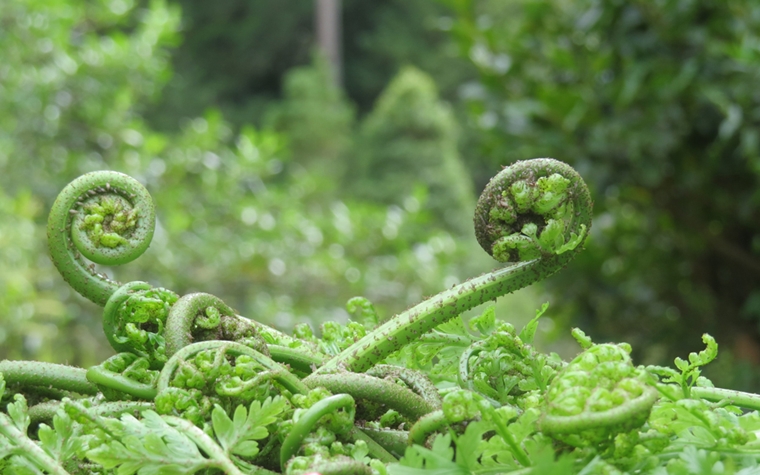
[[106, 217], [533, 209]]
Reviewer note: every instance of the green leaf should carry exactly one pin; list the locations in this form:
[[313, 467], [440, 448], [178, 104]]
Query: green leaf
[[682, 364], [469, 445], [26, 456], [708, 354], [546, 462], [18, 412], [419, 460], [485, 323], [529, 331], [574, 241], [18, 465], [247, 448], [238, 435], [147, 447], [222, 424]]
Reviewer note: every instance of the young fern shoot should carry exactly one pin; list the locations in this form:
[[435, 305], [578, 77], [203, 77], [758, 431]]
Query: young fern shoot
[[105, 216]]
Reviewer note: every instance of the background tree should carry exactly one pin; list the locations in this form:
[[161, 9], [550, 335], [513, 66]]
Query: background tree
[[317, 118], [410, 139], [236, 52], [327, 19]]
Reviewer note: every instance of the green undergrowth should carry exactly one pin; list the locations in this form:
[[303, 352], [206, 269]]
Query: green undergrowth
[[505, 408]]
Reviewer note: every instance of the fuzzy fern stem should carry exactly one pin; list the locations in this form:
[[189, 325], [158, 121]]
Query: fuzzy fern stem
[[32, 374]]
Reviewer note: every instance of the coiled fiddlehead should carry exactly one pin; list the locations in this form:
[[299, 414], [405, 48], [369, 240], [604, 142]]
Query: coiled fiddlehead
[[534, 214], [105, 216], [537, 208], [134, 320], [598, 395], [219, 372]]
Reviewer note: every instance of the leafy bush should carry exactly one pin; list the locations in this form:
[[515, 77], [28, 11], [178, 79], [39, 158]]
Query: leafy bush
[[72, 79]]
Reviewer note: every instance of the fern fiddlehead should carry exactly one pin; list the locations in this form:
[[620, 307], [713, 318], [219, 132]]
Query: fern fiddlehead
[[134, 320], [105, 216], [598, 395], [538, 208], [534, 215], [217, 352], [33, 374]]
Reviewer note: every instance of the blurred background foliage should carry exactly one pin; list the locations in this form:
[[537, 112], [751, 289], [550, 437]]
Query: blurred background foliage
[[286, 195]]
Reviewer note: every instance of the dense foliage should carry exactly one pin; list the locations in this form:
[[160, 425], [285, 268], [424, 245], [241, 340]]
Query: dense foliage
[[66, 107], [656, 103], [236, 53], [330, 197]]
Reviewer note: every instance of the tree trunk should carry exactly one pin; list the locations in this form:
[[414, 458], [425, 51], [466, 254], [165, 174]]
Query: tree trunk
[[328, 26]]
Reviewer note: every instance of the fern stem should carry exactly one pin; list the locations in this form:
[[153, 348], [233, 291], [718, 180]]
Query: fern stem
[[119, 382], [417, 381], [737, 398], [362, 386], [427, 424], [37, 373], [376, 449]]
